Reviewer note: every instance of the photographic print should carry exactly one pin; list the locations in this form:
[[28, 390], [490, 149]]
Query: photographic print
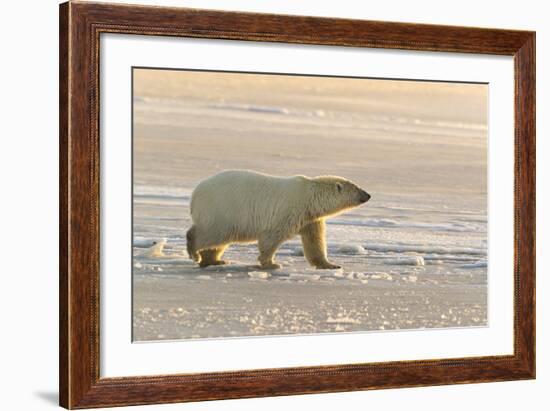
[[280, 204], [339, 194]]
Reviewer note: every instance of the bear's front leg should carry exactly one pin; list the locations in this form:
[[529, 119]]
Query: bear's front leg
[[315, 246], [268, 243]]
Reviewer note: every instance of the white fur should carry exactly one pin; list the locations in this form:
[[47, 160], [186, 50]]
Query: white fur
[[241, 204]]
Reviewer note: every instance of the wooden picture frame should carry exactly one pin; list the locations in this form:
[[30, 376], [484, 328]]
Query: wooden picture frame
[[80, 27]]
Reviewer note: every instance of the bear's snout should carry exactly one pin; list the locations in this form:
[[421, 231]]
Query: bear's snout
[[364, 196]]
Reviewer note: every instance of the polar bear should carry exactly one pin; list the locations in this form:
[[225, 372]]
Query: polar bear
[[242, 206]]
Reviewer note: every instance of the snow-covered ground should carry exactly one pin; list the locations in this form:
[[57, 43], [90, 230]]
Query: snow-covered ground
[[415, 256]]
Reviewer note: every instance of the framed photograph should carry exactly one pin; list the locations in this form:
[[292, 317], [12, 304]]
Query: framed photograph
[[258, 205]]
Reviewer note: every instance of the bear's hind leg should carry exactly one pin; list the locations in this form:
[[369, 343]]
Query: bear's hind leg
[[315, 246], [191, 240], [268, 244], [212, 256], [207, 239]]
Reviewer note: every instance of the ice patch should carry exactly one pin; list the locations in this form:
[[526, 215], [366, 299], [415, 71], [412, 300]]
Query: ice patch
[[233, 267], [338, 272], [259, 274], [308, 277], [167, 260], [410, 278], [381, 276], [405, 260], [402, 248], [362, 276], [389, 223], [479, 264], [144, 243], [351, 249], [157, 249]]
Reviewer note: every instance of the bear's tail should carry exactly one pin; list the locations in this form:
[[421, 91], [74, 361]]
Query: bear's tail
[[191, 244]]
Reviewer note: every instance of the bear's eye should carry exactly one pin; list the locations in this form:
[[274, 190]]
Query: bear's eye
[[339, 187]]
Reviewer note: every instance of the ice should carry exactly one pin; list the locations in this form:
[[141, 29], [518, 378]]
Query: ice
[[380, 276], [309, 277], [420, 243], [157, 249], [404, 260], [299, 252], [251, 108], [259, 274], [351, 249], [479, 264], [388, 223], [435, 249], [143, 242], [232, 266], [342, 320], [410, 278], [338, 272], [434, 262]]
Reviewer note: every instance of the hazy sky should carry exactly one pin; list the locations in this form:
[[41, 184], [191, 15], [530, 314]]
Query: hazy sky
[[443, 101], [395, 136]]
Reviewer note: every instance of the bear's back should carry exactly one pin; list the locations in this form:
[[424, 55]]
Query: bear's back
[[242, 198]]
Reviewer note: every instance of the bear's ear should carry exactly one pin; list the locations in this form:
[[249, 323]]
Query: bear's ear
[[339, 187]]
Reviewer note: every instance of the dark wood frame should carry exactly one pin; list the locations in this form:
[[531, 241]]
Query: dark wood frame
[[81, 24]]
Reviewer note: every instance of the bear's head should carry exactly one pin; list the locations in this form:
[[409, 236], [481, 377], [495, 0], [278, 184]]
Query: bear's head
[[334, 195]]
